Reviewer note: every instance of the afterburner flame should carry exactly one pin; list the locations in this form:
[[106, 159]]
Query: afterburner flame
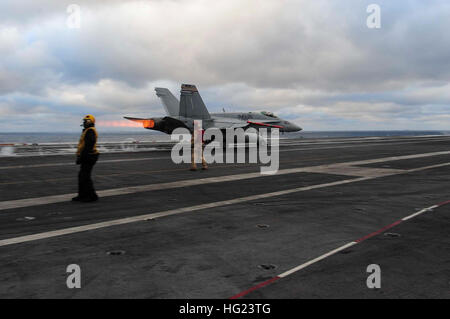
[[123, 123], [148, 123]]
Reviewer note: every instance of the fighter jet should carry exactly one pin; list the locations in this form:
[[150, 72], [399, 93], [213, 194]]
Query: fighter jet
[[191, 107]]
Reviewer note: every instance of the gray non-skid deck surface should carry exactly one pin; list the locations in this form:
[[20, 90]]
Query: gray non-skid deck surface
[[216, 252]]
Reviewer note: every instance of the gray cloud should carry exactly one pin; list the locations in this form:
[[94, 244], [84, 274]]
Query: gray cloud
[[315, 59]]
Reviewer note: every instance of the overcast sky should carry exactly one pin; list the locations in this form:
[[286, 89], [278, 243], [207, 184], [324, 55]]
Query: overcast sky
[[314, 62]]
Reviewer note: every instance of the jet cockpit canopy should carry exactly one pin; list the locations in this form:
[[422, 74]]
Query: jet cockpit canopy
[[270, 114]]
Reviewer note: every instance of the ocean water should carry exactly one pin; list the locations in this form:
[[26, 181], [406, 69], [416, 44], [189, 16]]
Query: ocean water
[[150, 136], [63, 138], [39, 144]]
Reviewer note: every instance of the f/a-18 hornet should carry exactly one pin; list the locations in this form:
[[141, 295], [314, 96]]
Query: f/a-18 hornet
[[191, 107]]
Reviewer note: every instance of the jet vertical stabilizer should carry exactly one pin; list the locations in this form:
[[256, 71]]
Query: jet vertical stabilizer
[[170, 102], [191, 103]]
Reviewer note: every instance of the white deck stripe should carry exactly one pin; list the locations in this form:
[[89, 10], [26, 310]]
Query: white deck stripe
[[167, 157], [20, 203], [398, 158], [309, 263], [315, 260], [333, 252], [73, 162], [28, 202], [420, 212], [128, 220], [350, 146]]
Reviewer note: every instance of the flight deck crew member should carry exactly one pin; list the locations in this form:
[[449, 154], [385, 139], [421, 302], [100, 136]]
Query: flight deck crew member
[[199, 140], [87, 156]]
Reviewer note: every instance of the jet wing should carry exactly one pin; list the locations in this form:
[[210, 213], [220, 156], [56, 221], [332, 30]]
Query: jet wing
[[224, 123], [264, 123]]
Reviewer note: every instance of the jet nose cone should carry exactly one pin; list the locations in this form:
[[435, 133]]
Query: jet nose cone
[[295, 128]]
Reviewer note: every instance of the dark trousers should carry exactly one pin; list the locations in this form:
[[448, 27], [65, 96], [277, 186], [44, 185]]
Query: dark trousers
[[85, 185]]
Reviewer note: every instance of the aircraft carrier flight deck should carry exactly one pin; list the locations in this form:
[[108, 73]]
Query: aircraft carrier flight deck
[[335, 207]]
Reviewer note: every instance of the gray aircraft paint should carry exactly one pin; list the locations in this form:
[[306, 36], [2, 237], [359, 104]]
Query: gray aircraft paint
[[181, 114], [170, 102]]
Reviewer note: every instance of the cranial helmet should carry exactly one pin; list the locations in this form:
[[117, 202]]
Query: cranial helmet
[[89, 119]]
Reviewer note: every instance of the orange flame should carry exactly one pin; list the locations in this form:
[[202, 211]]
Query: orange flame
[[119, 124], [148, 123]]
